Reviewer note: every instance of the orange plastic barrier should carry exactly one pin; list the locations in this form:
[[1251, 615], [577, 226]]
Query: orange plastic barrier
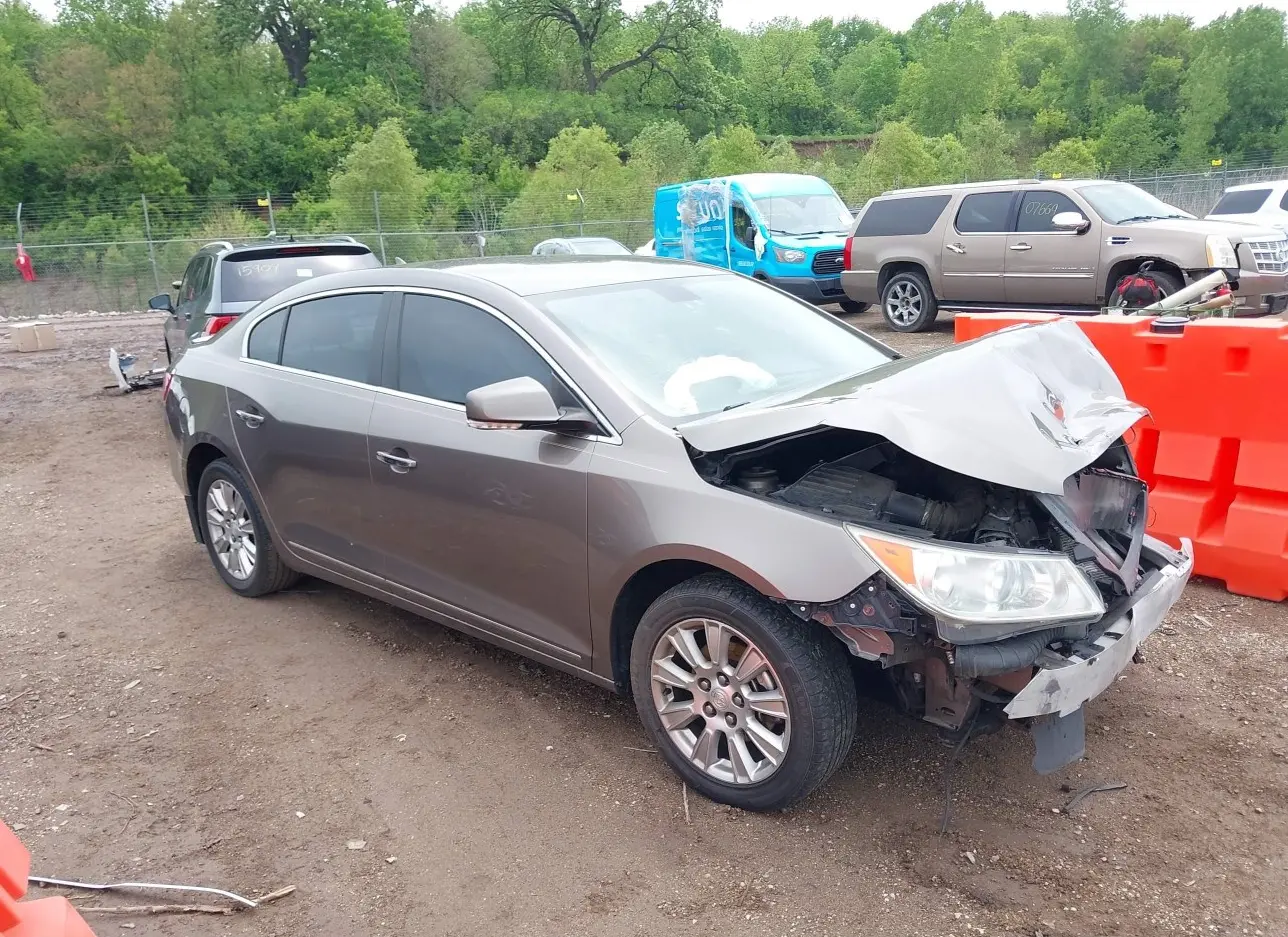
[[1215, 448], [47, 917]]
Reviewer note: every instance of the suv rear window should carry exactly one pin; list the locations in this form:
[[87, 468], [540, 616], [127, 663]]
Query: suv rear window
[[1244, 202], [250, 276], [899, 216]]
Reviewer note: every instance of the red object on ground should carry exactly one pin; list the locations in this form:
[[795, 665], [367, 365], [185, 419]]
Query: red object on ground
[[47, 917], [23, 263], [1215, 447]]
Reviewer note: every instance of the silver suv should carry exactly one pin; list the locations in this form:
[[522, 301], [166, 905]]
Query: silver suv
[[1053, 245]]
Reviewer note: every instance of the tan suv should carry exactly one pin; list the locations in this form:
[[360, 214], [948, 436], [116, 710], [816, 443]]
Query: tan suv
[[1051, 245]]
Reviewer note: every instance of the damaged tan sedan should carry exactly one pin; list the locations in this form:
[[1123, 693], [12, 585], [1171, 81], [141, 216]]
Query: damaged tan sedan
[[685, 485]]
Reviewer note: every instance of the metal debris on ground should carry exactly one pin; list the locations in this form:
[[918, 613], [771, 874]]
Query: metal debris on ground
[[118, 886], [1096, 788], [128, 377]]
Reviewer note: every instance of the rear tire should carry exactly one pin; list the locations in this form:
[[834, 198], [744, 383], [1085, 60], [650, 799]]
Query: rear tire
[[775, 726], [908, 303], [852, 307], [237, 538]]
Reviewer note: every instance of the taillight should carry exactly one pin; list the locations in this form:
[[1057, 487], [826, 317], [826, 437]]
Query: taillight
[[215, 323], [845, 254], [165, 385]]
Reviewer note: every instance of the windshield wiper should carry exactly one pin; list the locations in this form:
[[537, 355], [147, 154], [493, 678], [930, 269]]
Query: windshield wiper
[[1147, 218], [734, 406]]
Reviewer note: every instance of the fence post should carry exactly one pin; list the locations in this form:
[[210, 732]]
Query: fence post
[[20, 222], [152, 253], [272, 223], [380, 232]]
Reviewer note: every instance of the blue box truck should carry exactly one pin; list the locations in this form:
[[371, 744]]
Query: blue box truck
[[786, 229]]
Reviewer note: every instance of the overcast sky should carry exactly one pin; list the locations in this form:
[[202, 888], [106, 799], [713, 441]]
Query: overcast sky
[[899, 15]]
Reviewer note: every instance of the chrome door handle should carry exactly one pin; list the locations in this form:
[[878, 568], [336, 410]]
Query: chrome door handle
[[398, 463], [1021, 247], [957, 248], [251, 420]]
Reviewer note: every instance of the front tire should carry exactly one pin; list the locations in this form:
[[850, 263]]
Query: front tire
[[749, 705], [237, 538], [852, 307], [908, 303]]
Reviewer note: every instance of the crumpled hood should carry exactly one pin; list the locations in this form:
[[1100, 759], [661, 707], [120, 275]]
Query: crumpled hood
[[1026, 407], [1234, 230]]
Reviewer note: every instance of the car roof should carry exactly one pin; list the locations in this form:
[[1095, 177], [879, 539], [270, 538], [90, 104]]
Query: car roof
[[1248, 186], [968, 186], [231, 246], [530, 275]]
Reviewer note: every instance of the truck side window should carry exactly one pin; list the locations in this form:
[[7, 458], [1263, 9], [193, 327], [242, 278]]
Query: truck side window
[[741, 226]]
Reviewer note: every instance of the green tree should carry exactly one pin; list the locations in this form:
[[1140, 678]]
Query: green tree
[[581, 178], [955, 73], [734, 150], [866, 80], [663, 153], [1257, 82], [899, 156], [1071, 159], [1129, 140], [385, 164], [455, 67], [781, 64], [608, 41], [127, 30], [989, 147], [1205, 101]]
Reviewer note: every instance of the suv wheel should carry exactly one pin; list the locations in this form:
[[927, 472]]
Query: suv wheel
[[237, 539], [749, 705], [852, 307], [908, 303]]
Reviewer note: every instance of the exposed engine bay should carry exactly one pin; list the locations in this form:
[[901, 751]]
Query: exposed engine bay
[[959, 683]]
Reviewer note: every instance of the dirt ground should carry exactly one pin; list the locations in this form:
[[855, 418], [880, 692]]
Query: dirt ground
[[156, 727]]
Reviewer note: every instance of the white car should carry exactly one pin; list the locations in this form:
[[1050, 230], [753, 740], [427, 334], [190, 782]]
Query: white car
[[581, 246], [1260, 203]]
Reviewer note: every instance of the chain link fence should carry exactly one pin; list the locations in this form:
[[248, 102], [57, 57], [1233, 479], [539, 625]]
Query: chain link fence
[[114, 256]]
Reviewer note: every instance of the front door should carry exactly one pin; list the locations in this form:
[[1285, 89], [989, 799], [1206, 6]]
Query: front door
[[300, 411], [486, 527], [742, 240], [1048, 266], [973, 259]]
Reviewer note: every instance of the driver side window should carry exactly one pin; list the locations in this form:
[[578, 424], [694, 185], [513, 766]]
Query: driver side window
[[190, 288], [742, 225]]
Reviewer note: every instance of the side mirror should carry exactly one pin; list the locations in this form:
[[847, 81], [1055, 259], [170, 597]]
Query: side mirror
[[749, 236], [161, 302], [1071, 221], [522, 403]]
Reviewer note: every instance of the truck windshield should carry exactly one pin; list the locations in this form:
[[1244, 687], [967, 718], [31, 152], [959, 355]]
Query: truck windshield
[[820, 213], [1118, 202]]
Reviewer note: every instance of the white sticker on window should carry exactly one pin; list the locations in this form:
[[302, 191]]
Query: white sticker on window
[[303, 272]]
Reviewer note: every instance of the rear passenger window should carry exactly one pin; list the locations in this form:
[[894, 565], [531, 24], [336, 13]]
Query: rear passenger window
[[1038, 208], [984, 213], [447, 349], [334, 336], [898, 216], [1242, 202], [265, 342]]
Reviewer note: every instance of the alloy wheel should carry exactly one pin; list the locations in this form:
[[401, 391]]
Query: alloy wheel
[[230, 528], [720, 701], [903, 302]]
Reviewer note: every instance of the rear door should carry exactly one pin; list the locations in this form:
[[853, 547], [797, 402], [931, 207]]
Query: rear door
[[190, 306], [300, 411], [973, 261], [485, 527], [1046, 265]]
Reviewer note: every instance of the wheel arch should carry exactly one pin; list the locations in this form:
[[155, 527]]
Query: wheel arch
[[645, 585], [1131, 264], [893, 267]]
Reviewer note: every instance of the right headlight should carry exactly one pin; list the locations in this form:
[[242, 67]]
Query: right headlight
[[981, 594], [1220, 252]]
